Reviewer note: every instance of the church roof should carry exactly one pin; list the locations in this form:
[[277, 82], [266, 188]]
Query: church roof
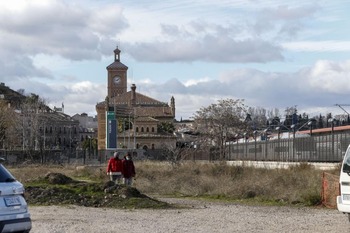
[[147, 119], [153, 111], [144, 106], [116, 65], [140, 99]]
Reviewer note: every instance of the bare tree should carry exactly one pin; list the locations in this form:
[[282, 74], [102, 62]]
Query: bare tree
[[220, 122], [173, 153], [274, 113], [32, 124], [9, 137], [258, 116]]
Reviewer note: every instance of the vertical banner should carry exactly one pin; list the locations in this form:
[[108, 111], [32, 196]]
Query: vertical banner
[[111, 131]]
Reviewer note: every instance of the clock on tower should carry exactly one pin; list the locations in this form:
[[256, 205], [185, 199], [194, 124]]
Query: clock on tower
[[117, 76]]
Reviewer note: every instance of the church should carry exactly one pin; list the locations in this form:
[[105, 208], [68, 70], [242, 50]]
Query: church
[[128, 119]]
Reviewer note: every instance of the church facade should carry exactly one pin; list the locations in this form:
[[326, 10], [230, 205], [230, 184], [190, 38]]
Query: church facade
[[128, 119]]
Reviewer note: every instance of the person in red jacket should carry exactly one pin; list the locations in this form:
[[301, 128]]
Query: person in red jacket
[[128, 169], [114, 168]]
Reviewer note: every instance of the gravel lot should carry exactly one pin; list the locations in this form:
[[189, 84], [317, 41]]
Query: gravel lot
[[198, 217]]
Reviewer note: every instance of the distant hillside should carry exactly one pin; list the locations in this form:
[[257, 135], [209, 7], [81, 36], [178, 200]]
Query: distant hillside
[[10, 96]]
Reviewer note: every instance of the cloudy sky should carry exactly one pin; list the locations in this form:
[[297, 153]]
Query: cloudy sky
[[271, 53]]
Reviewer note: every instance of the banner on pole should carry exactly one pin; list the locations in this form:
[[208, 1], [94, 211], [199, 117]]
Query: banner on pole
[[111, 131]]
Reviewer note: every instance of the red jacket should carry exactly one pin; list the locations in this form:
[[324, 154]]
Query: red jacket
[[114, 166], [128, 168]]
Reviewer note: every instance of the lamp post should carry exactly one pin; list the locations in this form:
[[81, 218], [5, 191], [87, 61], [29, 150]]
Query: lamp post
[[245, 141], [310, 124], [331, 120], [279, 146], [90, 146], [255, 134], [293, 127], [134, 128], [312, 141], [265, 132], [237, 139]]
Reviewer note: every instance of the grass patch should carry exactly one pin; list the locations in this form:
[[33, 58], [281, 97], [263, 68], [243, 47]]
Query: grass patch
[[58, 189], [298, 185]]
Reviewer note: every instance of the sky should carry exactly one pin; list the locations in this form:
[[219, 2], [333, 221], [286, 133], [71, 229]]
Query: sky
[[273, 54]]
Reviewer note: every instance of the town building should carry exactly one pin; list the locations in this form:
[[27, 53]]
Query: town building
[[35, 126], [87, 126], [129, 119]]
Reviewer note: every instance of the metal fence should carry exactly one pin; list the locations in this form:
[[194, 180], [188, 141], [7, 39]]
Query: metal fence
[[324, 148]]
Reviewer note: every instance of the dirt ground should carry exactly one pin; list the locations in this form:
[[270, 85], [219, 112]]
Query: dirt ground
[[198, 216]]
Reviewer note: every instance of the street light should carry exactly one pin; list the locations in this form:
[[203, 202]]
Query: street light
[[255, 134], [310, 125], [237, 139], [331, 120], [278, 131], [293, 127], [245, 140], [89, 146], [265, 132], [279, 146]]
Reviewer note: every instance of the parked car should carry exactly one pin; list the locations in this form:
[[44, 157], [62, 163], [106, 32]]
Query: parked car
[[14, 213]]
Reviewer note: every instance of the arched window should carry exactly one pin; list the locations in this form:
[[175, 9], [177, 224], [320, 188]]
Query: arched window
[[142, 129], [147, 129], [152, 146], [152, 129], [137, 146], [137, 129]]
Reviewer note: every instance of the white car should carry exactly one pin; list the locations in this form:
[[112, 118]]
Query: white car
[[14, 214]]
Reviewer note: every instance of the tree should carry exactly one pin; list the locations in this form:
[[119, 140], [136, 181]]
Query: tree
[[33, 124], [258, 117], [9, 137], [291, 116], [219, 122], [167, 127], [320, 121], [89, 144], [174, 154]]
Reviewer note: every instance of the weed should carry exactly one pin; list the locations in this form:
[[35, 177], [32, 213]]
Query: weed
[[299, 184]]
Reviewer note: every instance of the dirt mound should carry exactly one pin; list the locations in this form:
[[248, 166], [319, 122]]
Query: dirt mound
[[58, 189], [57, 178]]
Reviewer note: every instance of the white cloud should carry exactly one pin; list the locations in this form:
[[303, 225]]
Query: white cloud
[[330, 76], [79, 97], [48, 46], [192, 82], [318, 46]]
